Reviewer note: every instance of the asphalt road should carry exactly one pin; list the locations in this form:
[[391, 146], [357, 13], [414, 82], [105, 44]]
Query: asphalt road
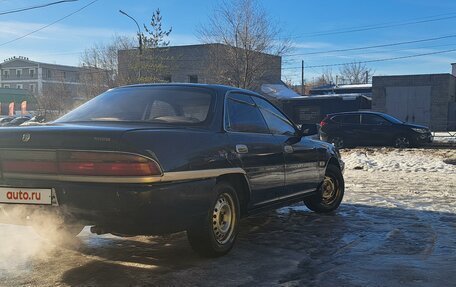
[[393, 229]]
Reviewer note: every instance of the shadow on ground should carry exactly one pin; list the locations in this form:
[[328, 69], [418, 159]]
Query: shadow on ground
[[356, 246]]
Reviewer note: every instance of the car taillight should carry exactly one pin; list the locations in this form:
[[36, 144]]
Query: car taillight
[[38, 162], [106, 164], [83, 163], [24, 166], [324, 122]]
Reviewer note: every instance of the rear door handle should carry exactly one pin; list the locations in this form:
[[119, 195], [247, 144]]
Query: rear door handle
[[242, 148]]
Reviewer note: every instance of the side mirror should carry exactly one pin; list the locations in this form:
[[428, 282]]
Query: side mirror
[[308, 129]]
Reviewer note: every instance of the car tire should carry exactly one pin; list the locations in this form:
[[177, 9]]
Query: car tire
[[401, 141], [330, 194], [215, 235], [338, 142]]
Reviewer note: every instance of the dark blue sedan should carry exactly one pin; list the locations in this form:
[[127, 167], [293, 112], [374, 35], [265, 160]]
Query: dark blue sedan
[[158, 159]]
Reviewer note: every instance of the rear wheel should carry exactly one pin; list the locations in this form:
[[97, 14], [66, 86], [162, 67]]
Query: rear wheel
[[330, 193], [216, 234]]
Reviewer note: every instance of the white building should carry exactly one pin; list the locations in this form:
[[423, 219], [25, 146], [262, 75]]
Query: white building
[[36, 77]]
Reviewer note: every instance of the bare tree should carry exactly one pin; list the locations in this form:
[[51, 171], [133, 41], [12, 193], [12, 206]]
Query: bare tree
[[326, 78], [355, 73], [247, 31], [100, 63], [57, 98]]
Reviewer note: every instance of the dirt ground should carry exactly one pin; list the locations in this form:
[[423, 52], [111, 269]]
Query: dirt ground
[[396, 227]]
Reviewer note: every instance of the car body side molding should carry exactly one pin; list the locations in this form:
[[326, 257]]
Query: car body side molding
[[166, 177]]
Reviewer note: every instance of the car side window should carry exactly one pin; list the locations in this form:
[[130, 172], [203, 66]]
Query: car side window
[[337, 119], [276, 121], [372, 120], [243, 116], [161, 109], [351, 120]]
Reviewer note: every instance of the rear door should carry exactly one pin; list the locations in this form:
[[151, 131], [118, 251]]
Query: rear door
[[258, 150], [300, 155]]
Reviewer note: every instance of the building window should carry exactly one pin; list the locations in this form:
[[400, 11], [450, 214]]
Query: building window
[[19, 86], [5, 74], [167, 79], [18, 73], [193, 79], [32, 73], [32, 88], [6, 86], [48, 73]]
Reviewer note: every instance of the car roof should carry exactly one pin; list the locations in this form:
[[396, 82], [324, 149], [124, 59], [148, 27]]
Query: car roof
[[209, 86], [356, 113]]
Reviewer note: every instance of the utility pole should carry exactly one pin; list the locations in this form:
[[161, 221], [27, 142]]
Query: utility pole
[[302, 78], [367, 77]]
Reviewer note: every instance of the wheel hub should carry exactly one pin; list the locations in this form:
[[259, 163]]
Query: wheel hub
[[223, 218], [329, 190]]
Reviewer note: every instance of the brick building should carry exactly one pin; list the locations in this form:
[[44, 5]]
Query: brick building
[[193, 64]]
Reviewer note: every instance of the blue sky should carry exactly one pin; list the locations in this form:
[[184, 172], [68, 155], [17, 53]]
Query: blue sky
[[300, 19]]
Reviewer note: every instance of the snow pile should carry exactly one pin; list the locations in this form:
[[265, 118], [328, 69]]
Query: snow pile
[[398, 160], [445, 137]]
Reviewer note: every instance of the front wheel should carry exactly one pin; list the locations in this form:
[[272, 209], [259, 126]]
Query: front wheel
[[330, 193], [216, 234], [401, 142], [338, 142]]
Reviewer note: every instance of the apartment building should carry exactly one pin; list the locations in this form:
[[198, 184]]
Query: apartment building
[[39, 78]]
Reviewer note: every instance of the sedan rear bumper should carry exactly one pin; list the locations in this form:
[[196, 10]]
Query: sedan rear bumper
[[127, 209]]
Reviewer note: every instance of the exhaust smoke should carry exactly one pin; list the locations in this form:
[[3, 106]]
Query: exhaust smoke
[[35, 241]]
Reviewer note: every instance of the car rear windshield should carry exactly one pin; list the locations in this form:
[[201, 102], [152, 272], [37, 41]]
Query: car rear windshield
[[159, 104]]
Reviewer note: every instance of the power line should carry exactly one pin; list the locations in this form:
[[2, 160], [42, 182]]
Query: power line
[[377, 26], [375, 46], [410, 49], [382, 60], [35, 7], [48, 25]]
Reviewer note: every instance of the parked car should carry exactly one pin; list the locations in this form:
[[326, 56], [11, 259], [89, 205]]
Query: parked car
[[16, 122], [159, 159], [371, 128], [6, 120], [35, 121]]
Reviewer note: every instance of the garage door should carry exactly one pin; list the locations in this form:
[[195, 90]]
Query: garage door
[[410, 104]]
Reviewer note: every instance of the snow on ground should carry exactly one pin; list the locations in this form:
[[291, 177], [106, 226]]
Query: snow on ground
[[400, 160], [448, 137]]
